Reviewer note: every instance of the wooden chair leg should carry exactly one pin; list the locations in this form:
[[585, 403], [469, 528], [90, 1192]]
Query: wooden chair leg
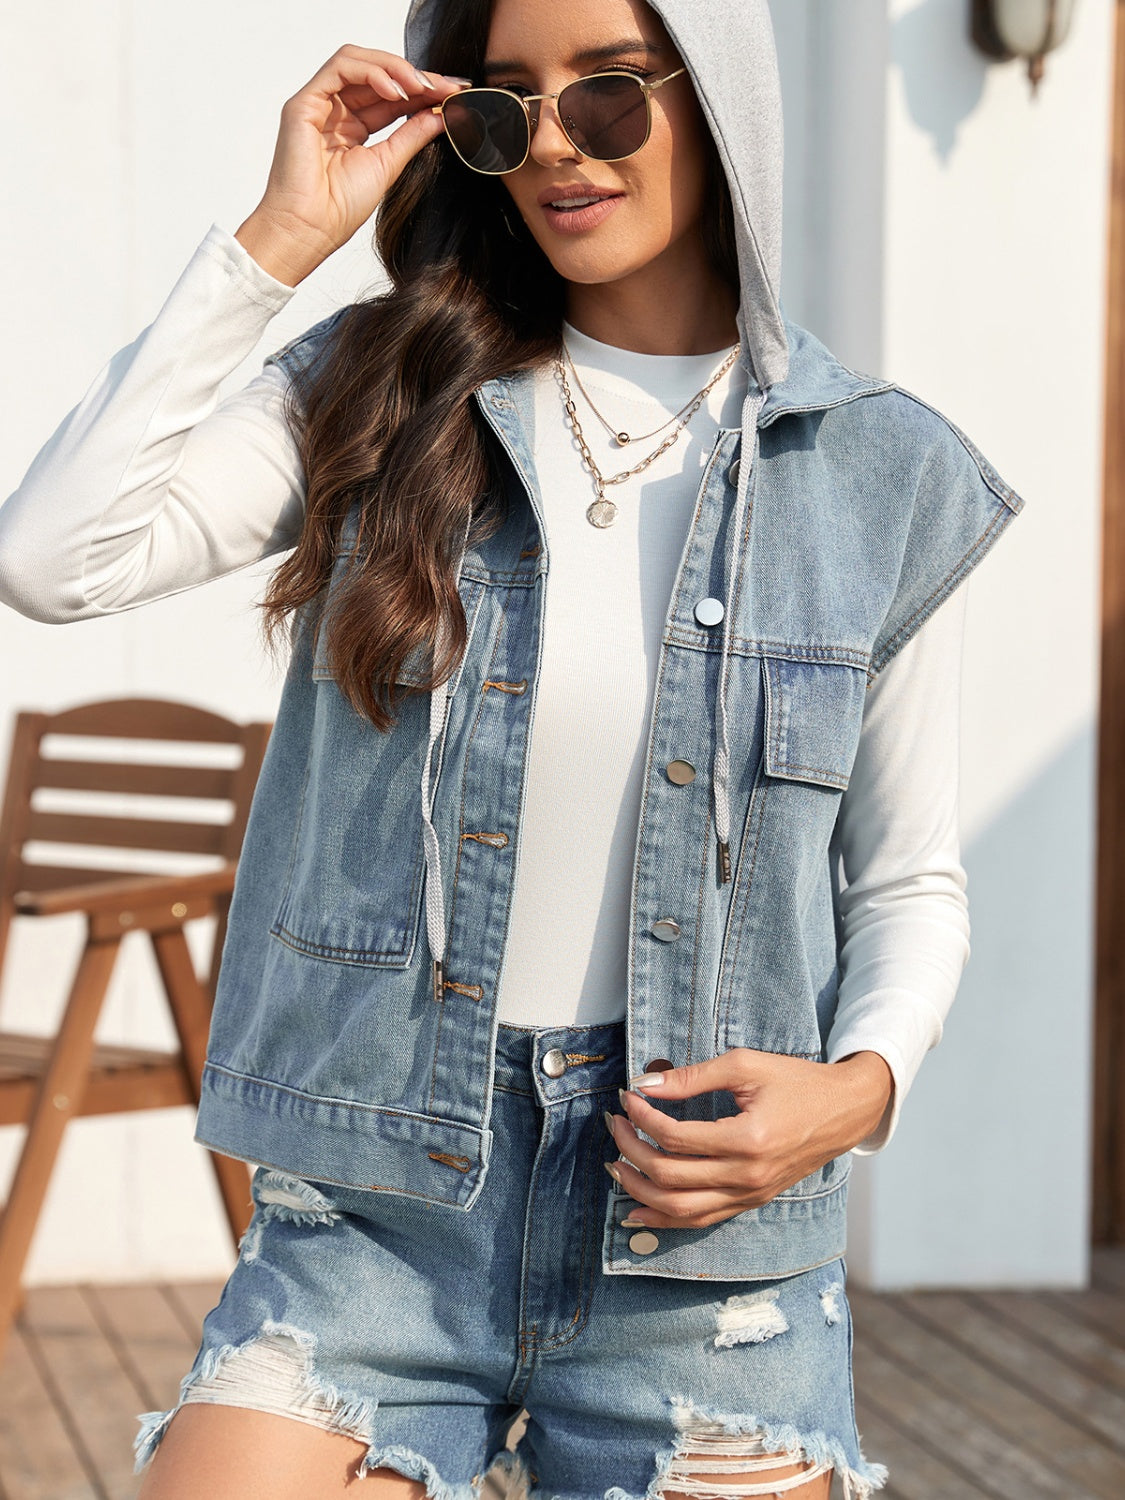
[[58, 1099], [191, 1012]]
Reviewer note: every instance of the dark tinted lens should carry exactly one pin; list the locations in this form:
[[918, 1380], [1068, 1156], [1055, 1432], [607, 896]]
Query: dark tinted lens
[[605, 116], [488, 129]]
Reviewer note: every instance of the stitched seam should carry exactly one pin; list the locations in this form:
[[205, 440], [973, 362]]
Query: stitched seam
[[755, 810], [355, 955], [634, 920], [704, 866], [333, 1101], [742, 645], [455, 884], [946, 586], [581, 1313], [991, 478], [811, 773], [775, 704], [532, 1335], [681, 582], [881, 389]]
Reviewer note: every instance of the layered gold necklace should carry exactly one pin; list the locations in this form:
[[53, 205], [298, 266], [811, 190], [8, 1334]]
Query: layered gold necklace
[[602, 512]]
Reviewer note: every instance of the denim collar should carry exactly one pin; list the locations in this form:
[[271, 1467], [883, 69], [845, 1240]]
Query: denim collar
[[816, 380]]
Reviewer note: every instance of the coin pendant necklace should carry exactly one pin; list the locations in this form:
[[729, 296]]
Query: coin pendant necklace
[[602, 512]]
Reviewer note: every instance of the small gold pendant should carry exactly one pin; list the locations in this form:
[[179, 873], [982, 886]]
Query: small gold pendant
[[623, 439], [602, 513]]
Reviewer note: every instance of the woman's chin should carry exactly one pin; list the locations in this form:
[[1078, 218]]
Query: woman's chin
[[591, 265]]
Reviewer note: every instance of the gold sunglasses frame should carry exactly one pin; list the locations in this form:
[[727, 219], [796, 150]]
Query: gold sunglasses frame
[[646, 88]]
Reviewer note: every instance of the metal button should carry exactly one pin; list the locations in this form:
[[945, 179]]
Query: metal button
[[667, 930], [644, 1242], [710, 612], [659, 1065], [554, 1063], [680, 773], [734, 471]]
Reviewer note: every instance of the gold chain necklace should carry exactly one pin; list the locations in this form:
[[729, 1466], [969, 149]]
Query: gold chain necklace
[[603, 512], [619, 435]]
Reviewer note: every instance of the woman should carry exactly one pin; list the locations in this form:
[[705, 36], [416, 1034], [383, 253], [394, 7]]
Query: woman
[[739, 889]]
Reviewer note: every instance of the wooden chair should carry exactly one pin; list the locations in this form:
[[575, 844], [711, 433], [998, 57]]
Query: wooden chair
[[46, 1081]]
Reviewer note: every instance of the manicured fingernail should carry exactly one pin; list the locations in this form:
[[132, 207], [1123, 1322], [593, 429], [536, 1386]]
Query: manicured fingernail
[[399, 90], [647, 1081], [609, 1122], [624, 1097], [466, 83], [427, 83], [613, 1169], [631, 1223]]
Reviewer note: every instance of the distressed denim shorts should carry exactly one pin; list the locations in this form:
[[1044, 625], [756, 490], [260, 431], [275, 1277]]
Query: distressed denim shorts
[[423, 1331]]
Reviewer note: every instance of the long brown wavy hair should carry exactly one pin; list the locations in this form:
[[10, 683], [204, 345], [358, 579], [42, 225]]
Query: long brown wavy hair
[[386, 416]]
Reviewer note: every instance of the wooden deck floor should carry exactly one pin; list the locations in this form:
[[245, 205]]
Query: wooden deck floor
[[1010, 1396]]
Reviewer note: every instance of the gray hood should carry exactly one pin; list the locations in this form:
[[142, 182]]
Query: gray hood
[[728, 47]]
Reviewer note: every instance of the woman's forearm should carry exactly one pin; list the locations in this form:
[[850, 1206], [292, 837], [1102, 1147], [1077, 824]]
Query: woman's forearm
[[150, 486], [904, 914]]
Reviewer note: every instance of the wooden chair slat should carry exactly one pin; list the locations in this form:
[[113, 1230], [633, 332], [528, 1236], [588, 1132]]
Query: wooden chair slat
[[24, 1055], [146, 719], [126, 833], [121, 1091], [134, 780], [59, 877]]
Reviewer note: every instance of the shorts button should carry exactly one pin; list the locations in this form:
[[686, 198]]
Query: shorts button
[[734, 471], [554, 1063], [643, 1243], [681, 773], [710, 612], [667, 930], [659, 1065]]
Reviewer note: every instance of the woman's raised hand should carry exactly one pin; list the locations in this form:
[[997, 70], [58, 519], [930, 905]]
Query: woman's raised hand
[[325, 181]]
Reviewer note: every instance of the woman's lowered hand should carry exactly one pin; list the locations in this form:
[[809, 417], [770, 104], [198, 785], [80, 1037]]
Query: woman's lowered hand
[[326, 181], [793, 1116]]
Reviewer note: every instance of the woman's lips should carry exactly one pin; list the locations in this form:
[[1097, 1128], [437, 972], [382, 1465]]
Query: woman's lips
[[577, 220]]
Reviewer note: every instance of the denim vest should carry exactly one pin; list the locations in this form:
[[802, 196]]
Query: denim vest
[[332, 1057]]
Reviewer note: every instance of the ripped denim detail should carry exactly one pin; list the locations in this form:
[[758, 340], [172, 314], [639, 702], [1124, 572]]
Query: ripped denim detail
[[721, 1458], [274, 1373]]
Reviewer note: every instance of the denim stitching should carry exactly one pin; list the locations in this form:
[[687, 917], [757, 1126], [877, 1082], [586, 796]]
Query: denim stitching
[[964, 566], [454, 883], [591, 1154], [756, 811], [704, 866]]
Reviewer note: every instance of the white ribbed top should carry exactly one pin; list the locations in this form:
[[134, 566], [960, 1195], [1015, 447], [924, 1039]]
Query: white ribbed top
[[607, 597]]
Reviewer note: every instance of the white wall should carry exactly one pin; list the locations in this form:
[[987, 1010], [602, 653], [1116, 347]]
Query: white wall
[[157, 121], [965, 226], [944, 229]]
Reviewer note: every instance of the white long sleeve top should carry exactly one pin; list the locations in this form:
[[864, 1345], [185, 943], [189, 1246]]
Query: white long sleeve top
[[152, 485]]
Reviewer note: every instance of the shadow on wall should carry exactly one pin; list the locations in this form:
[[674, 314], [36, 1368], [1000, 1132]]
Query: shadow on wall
[[987, 1180], [942, 73]]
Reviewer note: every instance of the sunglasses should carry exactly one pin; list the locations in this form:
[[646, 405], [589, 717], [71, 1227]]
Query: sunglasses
[[606, 117]]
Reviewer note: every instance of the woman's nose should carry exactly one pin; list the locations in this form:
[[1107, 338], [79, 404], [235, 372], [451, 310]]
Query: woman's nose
[[549, 141]]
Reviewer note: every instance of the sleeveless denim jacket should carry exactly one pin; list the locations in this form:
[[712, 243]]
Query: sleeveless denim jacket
[[333, 1057]]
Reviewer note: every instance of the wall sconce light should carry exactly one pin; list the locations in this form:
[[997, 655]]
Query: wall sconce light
[[1022, 28]]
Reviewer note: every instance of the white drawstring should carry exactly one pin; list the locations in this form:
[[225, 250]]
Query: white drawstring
[[435, 891], [721, 769]]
